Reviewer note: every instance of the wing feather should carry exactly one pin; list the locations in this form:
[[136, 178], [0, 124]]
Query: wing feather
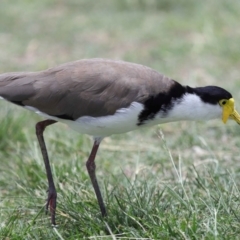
[[94, 87]]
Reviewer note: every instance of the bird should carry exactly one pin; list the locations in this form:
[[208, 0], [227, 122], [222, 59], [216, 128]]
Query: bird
[[101, 97]]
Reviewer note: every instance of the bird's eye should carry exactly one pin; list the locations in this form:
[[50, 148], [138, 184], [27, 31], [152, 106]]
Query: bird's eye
[[223, 102]]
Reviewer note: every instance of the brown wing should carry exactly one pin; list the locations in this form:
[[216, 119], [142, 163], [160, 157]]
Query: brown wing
[[95, 87]]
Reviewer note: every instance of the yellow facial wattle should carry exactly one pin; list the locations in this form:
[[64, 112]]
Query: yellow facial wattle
[[229, 111]]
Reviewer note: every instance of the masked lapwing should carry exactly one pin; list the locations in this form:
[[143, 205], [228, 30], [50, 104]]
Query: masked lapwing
[[102, 97]]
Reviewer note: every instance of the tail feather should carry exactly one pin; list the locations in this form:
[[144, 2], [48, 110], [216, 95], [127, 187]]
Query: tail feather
[[16, 87]]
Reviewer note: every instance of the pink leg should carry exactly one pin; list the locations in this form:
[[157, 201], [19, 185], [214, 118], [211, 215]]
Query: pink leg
[[91, 171]]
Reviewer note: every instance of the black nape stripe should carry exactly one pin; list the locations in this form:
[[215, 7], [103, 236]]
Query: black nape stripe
[[64, 116], [161, 102], [19, 103]]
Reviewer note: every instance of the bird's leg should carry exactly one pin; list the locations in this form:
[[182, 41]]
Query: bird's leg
[[91, 171], [52, 194]]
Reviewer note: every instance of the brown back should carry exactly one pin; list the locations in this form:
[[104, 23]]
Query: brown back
[[94, 87]]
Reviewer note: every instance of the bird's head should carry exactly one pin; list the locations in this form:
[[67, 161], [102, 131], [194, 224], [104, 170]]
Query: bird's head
[[219, 96]]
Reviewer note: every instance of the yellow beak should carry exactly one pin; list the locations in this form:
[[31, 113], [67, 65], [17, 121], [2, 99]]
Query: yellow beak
[[230, 112]]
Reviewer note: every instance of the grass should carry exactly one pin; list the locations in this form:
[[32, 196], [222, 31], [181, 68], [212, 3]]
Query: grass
[[174, 181]]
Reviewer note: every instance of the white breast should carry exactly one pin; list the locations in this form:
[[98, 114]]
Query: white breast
[[124, 120], [192, 108]]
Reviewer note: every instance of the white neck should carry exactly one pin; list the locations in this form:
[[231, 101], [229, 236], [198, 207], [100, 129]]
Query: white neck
[[191, 108]]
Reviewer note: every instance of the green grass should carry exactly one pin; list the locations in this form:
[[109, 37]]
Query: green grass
[[175, 181]]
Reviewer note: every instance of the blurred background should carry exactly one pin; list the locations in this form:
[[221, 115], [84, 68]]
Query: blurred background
[[194, 42]]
